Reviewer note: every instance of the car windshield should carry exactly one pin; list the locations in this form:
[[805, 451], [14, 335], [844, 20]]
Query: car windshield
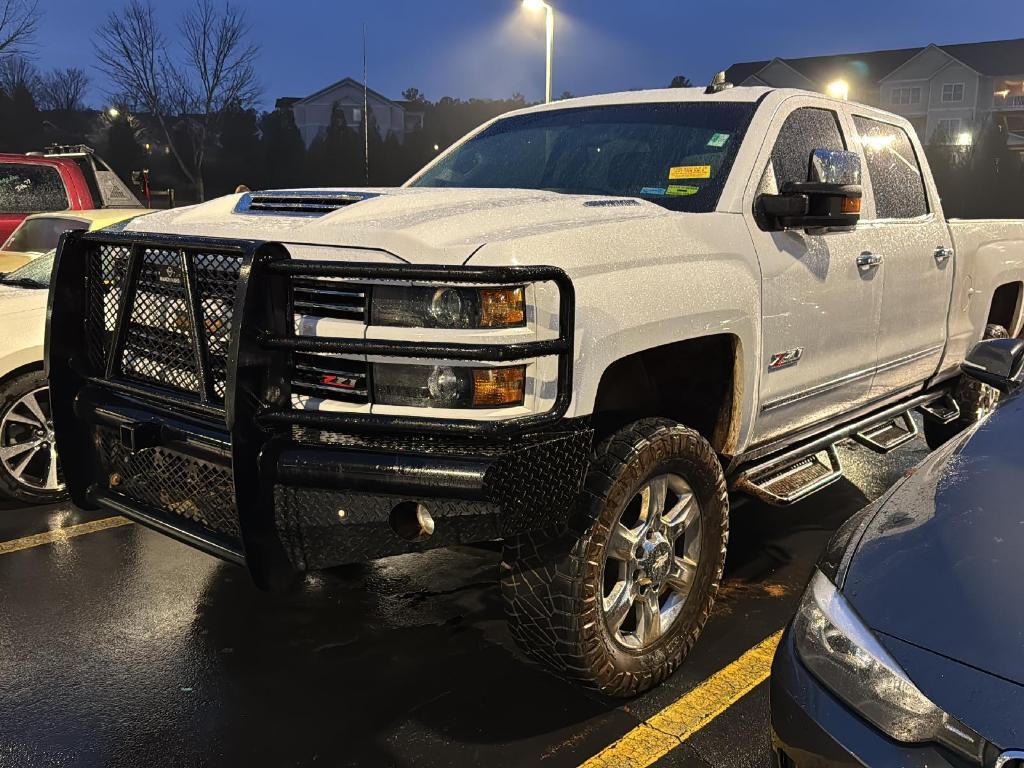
[[675, 154], [40, 235], [35, 274]]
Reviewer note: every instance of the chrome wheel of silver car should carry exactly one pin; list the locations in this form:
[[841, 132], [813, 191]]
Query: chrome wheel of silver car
[[27, 448], [650, 561]]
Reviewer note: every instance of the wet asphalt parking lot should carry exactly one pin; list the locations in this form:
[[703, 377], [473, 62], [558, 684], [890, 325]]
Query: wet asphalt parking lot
[[120, 647]]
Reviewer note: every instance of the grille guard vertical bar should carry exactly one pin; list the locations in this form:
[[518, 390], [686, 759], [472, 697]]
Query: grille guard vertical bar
[[66, 359], [195, 314], [256, 376], [125, 302]]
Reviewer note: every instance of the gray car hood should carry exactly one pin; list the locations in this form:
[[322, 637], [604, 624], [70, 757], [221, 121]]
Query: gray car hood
[[941, 565]]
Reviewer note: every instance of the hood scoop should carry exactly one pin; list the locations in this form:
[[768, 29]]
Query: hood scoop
[[298, 202]]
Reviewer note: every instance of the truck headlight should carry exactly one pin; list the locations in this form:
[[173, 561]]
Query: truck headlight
[[442, 386], [846, 657], [448, 307]]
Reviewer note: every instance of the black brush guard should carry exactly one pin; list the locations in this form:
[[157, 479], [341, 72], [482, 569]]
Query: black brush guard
[[196, 436]]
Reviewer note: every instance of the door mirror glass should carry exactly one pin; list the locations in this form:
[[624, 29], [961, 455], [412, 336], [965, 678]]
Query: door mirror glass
[[997, 362], [829, 199], [829, 166]]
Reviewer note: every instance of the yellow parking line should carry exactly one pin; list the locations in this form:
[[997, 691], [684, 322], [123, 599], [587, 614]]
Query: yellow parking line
[[660, 734], [61, 534]]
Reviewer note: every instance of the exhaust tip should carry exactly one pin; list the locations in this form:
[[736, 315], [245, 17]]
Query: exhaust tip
[[412, 521]]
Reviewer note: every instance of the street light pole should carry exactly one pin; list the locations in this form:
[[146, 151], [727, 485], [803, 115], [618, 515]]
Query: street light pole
[[549, 25]]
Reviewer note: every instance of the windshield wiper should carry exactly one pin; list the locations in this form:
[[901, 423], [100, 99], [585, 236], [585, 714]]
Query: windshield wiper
[[22, 282]]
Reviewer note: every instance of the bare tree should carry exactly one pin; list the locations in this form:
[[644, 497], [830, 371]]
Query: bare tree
[[63, 90], [19, 22], [219, 73], [216, 72], [18, 72]]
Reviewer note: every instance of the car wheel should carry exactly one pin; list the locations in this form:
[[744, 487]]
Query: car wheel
[[29, 471], [976, 400], [617, 601]]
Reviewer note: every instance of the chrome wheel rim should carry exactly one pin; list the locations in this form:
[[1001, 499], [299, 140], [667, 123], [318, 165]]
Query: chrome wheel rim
[[27, 448], [651, 561]]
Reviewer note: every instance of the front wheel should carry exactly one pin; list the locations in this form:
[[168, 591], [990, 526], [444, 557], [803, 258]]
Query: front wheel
[[29, 471], [617, 601]]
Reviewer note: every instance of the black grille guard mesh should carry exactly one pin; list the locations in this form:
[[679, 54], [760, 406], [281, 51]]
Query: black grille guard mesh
[[202, 330]]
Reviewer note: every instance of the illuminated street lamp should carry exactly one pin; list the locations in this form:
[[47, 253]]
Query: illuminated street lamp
[[114, 113], [838, 89], [537, 5]]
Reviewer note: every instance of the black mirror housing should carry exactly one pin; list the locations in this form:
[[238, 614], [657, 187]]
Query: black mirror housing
[[997, 362]]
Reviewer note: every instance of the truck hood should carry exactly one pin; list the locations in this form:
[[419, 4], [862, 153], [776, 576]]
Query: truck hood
[[417, 225], [939, 566]]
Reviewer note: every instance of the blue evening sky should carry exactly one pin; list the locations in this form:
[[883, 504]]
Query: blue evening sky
[[492, 48]]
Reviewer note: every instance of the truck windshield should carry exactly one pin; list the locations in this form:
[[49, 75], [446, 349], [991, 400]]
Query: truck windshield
[[675, 154]]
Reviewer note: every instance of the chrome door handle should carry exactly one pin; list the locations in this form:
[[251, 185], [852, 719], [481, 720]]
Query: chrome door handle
[[868, 261], [943, 254]]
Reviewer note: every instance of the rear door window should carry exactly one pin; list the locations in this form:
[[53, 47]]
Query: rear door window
[[896, 177], [26, 188]]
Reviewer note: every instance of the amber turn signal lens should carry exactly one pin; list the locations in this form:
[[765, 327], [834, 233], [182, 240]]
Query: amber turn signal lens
[[499, 386], [502, 307], [851, 205]]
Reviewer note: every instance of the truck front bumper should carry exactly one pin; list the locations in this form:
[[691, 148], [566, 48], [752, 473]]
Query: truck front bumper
[[323, 498], [172, 370]]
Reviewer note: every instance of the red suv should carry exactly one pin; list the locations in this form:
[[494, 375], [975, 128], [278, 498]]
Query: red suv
[[60, 179]]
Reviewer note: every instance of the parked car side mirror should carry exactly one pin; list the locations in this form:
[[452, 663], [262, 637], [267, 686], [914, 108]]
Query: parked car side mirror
[[997, 362], [829, 199]]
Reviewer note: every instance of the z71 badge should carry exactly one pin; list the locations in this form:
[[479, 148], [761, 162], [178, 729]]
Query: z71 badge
[[785, 359]]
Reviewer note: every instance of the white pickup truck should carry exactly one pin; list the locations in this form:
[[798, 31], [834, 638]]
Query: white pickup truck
[[582, 330]]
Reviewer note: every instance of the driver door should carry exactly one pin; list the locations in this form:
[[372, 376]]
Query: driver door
[[821, 304]]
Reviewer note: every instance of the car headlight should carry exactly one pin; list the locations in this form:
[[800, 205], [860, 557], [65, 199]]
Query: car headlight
[[846, 657], [448, 307], [442, 386]]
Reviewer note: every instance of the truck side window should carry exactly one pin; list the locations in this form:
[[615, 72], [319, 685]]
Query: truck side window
[[896, 178], [804, 131]]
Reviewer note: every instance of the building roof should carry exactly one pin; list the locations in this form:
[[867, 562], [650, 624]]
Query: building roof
[[347, 81], [853, 67], [999, 57]]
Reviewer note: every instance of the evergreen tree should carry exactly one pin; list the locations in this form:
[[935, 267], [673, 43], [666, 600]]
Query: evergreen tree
[[993, 174], [21, 125], [283, 153], [122, 150], [239, 153], [335, 154]]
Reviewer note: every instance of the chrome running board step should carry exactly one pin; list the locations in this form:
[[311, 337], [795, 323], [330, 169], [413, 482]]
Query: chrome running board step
[[944, 411], [759, 476], [890, 435], [787, 483]]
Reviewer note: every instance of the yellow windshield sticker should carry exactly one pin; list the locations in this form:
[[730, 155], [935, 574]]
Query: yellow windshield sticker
[[690, 172], [681, 190]]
